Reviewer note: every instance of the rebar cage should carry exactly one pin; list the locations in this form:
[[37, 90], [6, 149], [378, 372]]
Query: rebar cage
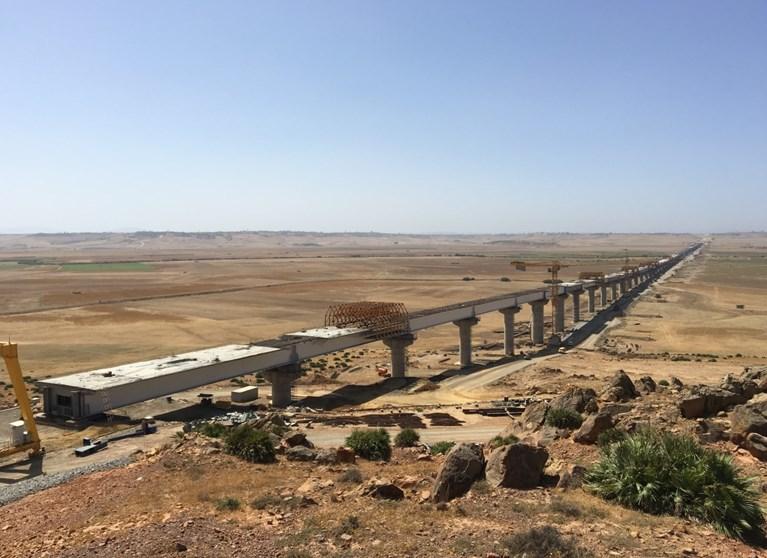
[[381, 319]]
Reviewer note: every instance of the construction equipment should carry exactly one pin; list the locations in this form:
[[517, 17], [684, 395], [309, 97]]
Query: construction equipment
[[553, 268], [586, 275], [24, 438]]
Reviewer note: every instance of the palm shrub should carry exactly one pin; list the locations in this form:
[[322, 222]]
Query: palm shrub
[[372, 444], [664, 473], [250, 444], [562, 417], [440, 448], [499, 441], [406, 438]]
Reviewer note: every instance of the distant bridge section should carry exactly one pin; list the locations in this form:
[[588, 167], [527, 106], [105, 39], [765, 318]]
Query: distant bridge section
[[91, 393]]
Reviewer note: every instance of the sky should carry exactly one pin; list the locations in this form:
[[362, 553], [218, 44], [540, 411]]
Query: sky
[[407, 116]]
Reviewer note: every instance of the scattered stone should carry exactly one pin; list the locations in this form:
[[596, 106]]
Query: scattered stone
[[676, 382], [294, 439], [383, 490], [516, 466], [180, 547], [345, 455], [592, 427], [463, 465], [645, 385]]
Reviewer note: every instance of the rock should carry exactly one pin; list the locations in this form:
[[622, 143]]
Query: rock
[[294, 439], [702, 401], [545, 436], [576, 399], [746, 419], [345, 455], [571, 476], [383, 490], [180, 547], [534, 415], [758, 375], [710, 431], [615, 409], [516, 466], [676, 382], [345, 537], [592, 427], [463, 464], [619, 388], [756, 444], [301, 453], [645, 385], [326, 456]]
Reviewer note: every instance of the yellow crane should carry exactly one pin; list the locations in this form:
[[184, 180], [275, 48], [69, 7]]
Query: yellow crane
[[31, 440], [552, 267]]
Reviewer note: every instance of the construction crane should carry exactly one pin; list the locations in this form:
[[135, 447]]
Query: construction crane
[[552, 267], [27, 439]]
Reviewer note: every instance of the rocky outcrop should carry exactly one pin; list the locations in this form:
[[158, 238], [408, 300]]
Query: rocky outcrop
[[463, 464], [592, 427], [533, 416], [516, 466], [749, 417], [294, 439], [576, 399], [703, 401], [756, 444], [619, 388], [300, 453], [571, 476]]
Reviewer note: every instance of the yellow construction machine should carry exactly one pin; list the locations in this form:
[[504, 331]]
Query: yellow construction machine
[[24, 437]]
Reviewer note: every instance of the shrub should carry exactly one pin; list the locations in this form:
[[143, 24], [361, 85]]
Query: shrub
[[438, 448], [347, 525], [561, 417], [250, 444], [228, 504], [352, 475], [265, 501], [610, 436], [664, 473], [543, 542], [406, 438], [212, 429], [499, 441], [663, 382], [374, 445]]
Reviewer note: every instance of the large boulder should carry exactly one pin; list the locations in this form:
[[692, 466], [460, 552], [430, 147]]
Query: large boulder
[[702, 401], [758, 375], [756, 444], [301, 453], [533, 416], [619, 388], [592, 427], [749, 417], [293, 439], [576, 399], [744, 387], [571, 476], [516, 466], [463, 464]]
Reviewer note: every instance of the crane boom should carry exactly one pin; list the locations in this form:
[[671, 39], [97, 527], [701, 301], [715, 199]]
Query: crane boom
[[10, 354]]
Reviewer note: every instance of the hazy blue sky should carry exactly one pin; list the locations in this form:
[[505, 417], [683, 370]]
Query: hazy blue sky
[[397, 116]]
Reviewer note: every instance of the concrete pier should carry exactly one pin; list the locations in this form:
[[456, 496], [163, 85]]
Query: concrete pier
[[464, 347], [624, 286], [615, 291], [592, 292], [577, 306], [536, 323], [508, 329], [559, 313], [282, 379], [398, 346], [603, 295]]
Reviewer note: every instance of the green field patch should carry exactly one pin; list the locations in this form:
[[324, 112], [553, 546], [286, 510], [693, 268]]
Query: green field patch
[[105, 267]]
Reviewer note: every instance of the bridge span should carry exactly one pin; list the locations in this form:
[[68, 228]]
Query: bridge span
[[90, 393]]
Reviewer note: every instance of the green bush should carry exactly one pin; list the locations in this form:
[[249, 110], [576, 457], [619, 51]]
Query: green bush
[[664, 473], [610, 436], [499, 441], [406, 438], [250, 444], [212, 429], [543, 542], [372, 444], [663, 382], [438, 448], [561, 417], [228, 504]]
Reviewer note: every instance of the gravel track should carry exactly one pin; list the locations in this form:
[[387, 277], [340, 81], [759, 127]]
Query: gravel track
[[26, 487]]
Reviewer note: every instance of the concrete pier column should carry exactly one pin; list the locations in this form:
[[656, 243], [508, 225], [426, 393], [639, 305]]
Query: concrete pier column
[[603, 295], [282, 379], [398, 346], [559, 313], [592, 291], [624, 286], [577, 306], [508, 329], [464, 347], [536, 323], [615, 291]]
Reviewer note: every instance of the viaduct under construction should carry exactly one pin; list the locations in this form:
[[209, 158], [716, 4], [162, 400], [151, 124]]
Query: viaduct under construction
[[279, 360]]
